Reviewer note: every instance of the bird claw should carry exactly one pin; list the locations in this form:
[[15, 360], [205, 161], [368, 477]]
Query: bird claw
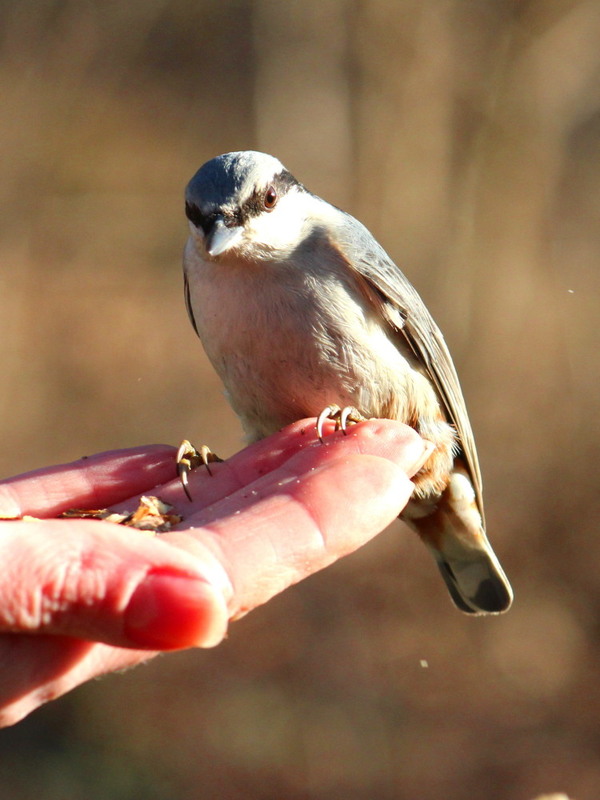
[[342, 417], [189, 458]]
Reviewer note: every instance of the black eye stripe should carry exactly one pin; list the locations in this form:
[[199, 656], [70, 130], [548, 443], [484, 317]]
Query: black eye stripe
[[251, 207], [194, 214], [206, 221]]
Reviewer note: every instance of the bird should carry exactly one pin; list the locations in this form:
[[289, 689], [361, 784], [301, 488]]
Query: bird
[[303, 314]]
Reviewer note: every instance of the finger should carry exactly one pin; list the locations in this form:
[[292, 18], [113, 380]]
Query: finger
[[91, 482], [386, 438], [103, 582], [97, 581], [301, 518]]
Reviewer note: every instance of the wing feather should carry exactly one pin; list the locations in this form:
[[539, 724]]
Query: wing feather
[[407, 315]]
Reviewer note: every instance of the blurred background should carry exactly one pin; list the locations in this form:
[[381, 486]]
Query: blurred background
[[465, 135]]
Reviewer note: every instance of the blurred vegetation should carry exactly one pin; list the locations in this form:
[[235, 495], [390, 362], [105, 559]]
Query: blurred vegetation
[[465, 134]]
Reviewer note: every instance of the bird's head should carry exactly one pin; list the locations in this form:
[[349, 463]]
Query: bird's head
[[248, 205]]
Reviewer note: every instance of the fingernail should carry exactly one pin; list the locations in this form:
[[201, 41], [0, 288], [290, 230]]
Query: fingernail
[[428, 448], [170, 612]]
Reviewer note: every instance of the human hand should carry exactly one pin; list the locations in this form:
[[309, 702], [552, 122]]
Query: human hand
[[79, 598]]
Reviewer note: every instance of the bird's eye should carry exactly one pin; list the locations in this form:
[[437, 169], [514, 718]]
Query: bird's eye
[[270, 198]]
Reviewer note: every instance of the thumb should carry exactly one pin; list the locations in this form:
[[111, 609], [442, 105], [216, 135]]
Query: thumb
[[96, 581]]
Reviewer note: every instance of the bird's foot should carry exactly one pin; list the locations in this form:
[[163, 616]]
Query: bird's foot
[[189, 458], [342, 417]]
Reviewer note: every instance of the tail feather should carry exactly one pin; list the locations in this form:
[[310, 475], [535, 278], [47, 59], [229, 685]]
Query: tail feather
[[477, 586], [455, 535]]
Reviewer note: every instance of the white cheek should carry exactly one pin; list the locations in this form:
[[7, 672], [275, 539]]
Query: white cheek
[[281, 229]]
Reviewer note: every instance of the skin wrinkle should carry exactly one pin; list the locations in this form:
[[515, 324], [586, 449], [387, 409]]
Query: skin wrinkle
[[85, 576], [28, 610], [79, 578]]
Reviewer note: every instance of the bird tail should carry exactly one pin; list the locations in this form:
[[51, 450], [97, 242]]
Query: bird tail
[[455, 535]]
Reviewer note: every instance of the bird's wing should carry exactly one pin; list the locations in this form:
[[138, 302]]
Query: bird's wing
[[407, 315]]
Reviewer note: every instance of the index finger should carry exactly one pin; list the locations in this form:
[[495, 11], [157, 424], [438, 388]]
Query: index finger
[[93, 481]]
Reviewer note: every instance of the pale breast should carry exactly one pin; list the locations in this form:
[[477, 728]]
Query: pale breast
[[286, 344]]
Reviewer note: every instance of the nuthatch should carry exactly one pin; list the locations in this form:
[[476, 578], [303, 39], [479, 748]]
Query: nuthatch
[[302, 313]]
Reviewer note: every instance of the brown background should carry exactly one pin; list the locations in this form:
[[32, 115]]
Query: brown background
[[465, 134]]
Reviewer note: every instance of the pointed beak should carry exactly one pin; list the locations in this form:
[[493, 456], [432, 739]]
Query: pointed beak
[[221, 238]]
